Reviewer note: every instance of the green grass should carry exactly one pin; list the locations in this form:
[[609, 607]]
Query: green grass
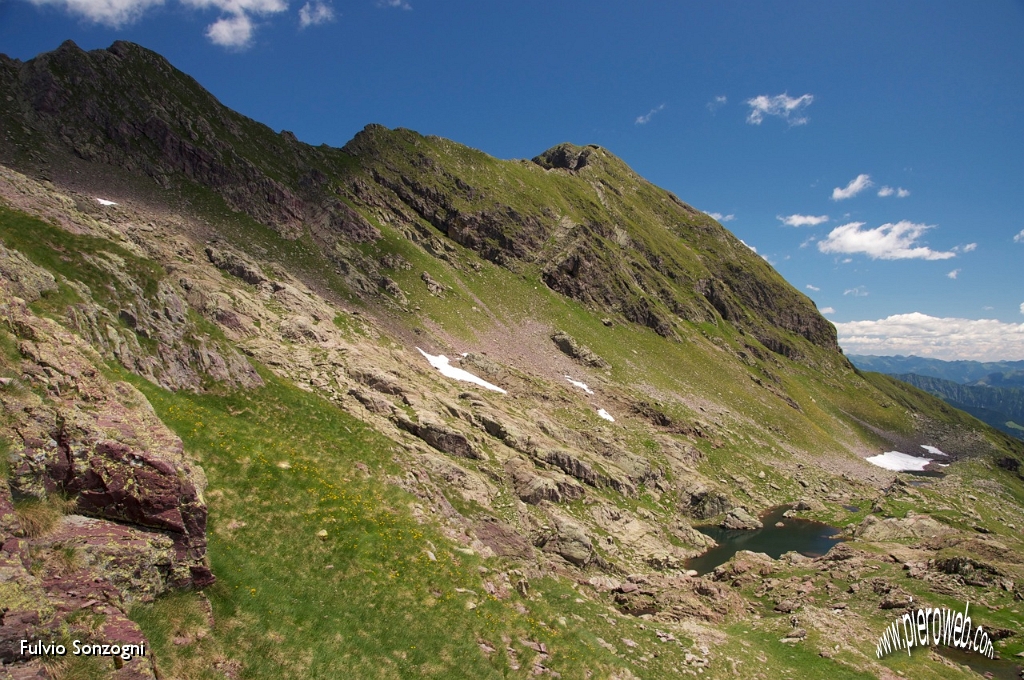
[[365, 600], [74, 256], [5, 460], [765, 655]]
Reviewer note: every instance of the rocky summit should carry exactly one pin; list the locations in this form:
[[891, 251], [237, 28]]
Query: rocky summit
[[404, 409]]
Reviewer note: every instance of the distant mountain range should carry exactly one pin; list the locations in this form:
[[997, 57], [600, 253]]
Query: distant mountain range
[[994, 373], [992, 392]]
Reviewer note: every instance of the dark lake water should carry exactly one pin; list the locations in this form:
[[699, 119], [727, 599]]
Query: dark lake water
[[1001, 669], [801, 535]]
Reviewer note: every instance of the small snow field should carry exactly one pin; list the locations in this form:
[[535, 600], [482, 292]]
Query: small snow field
[[440, 362], [899, 462], [582, 385], [934, 451], [604, 414], [103, 201]]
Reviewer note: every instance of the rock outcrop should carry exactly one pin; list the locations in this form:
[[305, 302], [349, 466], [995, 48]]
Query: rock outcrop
[[110, 510], [98, 444], [738, 518], [580, 353]]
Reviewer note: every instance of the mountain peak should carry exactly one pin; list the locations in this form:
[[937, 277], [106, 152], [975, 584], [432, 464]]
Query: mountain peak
[[566, 156]]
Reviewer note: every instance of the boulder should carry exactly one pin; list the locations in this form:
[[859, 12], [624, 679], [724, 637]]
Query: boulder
[[440, 436], [580, 353], [533, 486], [913, 525], [809, 504], [502, 539], [236, 264], [738, 518], [569, 540], [25, 279], [705, 503]]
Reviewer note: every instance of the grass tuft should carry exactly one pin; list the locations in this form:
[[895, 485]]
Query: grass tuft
[[39, 517]]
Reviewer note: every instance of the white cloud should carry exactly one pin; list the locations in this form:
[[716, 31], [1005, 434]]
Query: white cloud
[[113, 13], [827, 310], [717, 103], [969, 247], [1022, 308], [899, 192], [646, 118], [802, 220], [953, 274], [720, 217], [810, 287], [781, 105], [235, 28], [397, 4], [231, 31], [929, 336], [1019, 237], [748, 245], [856, 185], [859, 291], [315, 13], [887, 242]]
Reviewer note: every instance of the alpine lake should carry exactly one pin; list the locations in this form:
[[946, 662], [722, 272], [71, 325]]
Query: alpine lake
[[804, 536]]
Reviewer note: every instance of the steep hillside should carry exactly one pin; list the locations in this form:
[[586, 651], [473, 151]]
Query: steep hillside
[[990, 391], [227, 369], [1001, 407]]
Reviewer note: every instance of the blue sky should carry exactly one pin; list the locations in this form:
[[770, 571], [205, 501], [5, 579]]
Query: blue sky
[[890, 134]]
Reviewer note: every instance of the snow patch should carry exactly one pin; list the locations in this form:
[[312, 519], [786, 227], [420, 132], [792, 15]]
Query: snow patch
[[103, 201], [934, 451], [898, 462], [440, 362], [604, 414], [581, 385]]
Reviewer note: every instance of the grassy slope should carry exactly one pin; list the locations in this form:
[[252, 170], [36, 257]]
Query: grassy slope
[[365, 600]]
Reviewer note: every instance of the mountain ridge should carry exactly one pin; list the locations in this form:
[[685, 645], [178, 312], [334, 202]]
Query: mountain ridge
[[300, 189]]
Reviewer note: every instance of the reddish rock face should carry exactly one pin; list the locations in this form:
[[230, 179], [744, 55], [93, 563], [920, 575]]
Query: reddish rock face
[[92, 446], [85, 571], [100, 444]]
